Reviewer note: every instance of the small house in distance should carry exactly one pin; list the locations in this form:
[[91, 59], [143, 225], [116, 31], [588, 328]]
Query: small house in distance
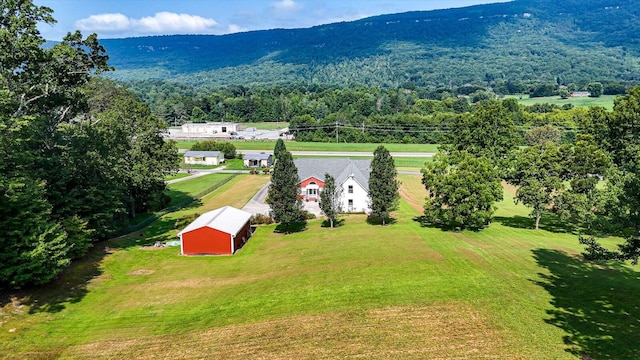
[[204, 157], [258, 160], [218, 232]]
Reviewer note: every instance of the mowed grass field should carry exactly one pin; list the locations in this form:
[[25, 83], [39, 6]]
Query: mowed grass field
[[605, 101], [358, 291]]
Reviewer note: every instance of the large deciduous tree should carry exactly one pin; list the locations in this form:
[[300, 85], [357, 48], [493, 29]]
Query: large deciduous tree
[[330, 199], [538, 172], [462, 190], [488, 132], [622, 139], [39, 90], [383, 185], [283, 199], [72, 161]]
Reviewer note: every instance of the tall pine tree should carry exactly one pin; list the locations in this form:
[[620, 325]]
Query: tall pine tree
[[279, 148], [383, 185], [286, 206]]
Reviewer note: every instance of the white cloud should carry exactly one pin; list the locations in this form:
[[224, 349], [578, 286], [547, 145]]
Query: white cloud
[[233, 28], [167, 22], [286, 6], [161, 23], [104, 22]]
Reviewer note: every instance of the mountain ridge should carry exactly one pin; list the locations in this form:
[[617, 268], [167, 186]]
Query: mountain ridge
[[569, 41]]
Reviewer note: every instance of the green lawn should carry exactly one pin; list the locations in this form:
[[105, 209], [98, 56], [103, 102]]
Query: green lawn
[[357, 291], [189, 189], [605, 101], [176, 176]]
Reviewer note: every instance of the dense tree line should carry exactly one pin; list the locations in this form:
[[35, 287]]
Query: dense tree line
[[407, 114], [81, 155]]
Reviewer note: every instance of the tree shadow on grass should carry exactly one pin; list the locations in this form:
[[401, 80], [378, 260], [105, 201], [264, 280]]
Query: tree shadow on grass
[[549, 222], [598, 305], [374, 220], [336, 223], [296, 227], [422, 220]]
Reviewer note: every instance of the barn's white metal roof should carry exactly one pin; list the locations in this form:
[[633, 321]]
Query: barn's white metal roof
[[227, 219]]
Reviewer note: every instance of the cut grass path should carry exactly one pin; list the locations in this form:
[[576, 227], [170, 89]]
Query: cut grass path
[[357, 291]]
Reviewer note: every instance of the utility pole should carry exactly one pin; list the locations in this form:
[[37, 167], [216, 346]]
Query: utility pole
[[336, 131]]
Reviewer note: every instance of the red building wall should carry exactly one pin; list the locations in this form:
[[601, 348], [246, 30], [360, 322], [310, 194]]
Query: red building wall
[[306, 182], [206, 240], [244, 232]]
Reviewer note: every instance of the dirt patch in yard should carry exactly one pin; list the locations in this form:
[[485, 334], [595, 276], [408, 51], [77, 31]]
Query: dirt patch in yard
[[142, 272], [412, 191], [441, 331], [509, 188]]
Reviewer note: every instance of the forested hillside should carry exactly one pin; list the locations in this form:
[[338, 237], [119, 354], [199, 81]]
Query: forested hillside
[[497, 44]]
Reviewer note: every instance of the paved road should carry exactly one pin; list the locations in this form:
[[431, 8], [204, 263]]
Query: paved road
[[200, 172], [345, 153], [256, 205]]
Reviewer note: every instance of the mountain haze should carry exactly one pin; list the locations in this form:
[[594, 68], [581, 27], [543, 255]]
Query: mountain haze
[[524, 40]]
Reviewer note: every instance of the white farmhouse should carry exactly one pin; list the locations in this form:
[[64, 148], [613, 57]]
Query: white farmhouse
[[350, 175]]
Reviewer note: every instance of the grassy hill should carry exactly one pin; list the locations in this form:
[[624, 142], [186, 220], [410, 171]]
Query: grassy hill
[[524, 40], [401, 291]]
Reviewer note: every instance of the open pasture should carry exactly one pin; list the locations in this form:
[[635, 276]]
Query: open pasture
[[357, 291], [605, 101]]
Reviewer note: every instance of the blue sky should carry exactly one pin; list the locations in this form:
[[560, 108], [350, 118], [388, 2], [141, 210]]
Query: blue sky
[[127, 18]]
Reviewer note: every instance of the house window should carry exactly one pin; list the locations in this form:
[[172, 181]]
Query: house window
[[312, 191], [350, 190], [350, 202], [224, 129]]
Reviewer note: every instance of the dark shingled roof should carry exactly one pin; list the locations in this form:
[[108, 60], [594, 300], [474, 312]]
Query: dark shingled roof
[[340, 168]]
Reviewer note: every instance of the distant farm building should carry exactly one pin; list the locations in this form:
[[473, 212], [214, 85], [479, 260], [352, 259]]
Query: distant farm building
[[203, 157], [219, 232], [350, 175], [580, 94], [209, 129], [258, 160]]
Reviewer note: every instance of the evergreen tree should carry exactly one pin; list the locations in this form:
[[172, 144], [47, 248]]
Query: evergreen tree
[[279, 148], [330, 199], [286, 206], [383, 185]]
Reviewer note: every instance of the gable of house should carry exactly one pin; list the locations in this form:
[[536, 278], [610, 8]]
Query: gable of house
[[351, 175]]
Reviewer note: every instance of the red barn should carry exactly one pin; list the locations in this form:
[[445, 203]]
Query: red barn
[[217, 232]]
